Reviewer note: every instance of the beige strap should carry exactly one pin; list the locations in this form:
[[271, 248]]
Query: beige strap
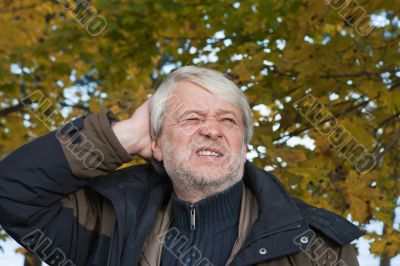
[[248, 215], [153, 245]]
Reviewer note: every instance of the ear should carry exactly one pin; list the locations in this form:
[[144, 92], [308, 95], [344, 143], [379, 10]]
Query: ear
[[156, 149], [244, 152]]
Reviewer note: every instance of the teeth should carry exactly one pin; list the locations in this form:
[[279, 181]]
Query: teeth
[[208, 153]]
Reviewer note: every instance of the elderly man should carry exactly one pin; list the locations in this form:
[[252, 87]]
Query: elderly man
[[199, 202]]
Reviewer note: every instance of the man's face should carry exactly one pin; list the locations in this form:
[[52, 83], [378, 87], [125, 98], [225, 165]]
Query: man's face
[[202, 141]]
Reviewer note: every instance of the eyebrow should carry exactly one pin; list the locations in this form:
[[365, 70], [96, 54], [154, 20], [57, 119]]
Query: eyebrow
[[223, 111], [199, 112]]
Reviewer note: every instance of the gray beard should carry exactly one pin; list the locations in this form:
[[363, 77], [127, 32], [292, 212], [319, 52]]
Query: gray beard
[[188, 183]]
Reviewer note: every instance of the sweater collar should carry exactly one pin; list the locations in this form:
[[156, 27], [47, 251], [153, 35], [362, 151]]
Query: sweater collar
[[210, 215]]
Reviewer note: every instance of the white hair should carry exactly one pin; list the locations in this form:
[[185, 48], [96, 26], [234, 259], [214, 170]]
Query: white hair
[[213, 81]]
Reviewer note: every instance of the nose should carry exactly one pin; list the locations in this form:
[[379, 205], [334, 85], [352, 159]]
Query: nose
[[211, 129]]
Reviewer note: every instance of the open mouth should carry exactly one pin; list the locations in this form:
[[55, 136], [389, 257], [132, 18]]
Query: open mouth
[[209, 153]]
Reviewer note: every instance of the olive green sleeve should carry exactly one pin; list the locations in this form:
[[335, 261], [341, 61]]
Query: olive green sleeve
[[93, 149]]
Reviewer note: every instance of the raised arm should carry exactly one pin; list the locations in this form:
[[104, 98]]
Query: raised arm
[[45, 203]]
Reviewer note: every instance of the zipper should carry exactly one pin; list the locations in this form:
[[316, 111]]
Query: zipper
[[276, 231], [192, 217]]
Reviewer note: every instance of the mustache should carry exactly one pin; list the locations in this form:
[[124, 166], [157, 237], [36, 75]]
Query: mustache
[[194, 145]]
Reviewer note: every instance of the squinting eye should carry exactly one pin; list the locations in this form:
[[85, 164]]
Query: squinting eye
[[191, 121], [229, 120]]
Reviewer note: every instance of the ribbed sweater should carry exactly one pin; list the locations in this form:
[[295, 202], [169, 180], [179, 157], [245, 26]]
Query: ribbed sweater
[[203, 233]]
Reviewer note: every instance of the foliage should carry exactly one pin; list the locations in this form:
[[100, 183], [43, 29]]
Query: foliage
[[276, 51]]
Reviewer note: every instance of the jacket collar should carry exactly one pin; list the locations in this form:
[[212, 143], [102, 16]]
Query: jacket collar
[[279, 222], [272, 234], [276, 207]]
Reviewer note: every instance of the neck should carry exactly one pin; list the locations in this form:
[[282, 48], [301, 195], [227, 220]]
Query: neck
[[215, 212], [194, 195]]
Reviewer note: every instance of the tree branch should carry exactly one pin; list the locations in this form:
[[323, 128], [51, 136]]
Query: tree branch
[[388, 120], [338, 75], [301, 130], [16, 9], [77, 106], [11, 109], [393, 141]]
